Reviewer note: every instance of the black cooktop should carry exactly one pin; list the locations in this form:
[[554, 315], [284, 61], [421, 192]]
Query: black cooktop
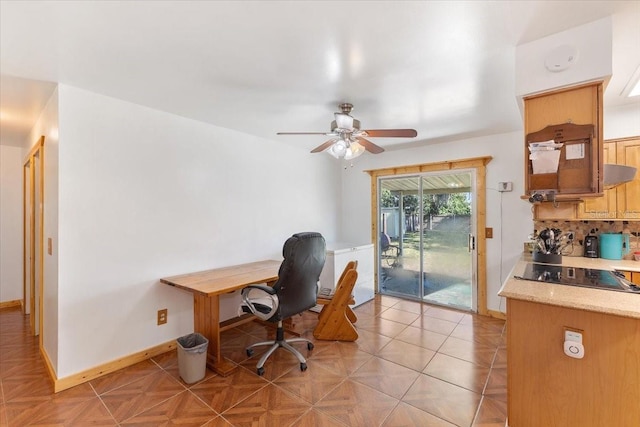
[[576, 276]]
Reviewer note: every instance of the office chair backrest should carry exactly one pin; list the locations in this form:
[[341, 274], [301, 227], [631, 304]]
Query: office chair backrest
[[297, 286]]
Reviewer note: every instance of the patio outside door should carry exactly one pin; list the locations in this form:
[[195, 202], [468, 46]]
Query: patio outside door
[[427, 249]]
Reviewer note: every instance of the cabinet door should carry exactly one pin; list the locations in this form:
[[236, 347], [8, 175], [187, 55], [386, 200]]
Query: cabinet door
[[580, 105], [635, 278], [628, 195], [601, 207]]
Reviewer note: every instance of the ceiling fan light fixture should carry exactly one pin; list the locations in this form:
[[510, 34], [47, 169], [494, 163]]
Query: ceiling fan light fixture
[[338, 149], [353, 150], [344, 121]]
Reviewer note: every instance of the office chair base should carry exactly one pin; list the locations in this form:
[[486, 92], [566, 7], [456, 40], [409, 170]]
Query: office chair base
[[280, 342]]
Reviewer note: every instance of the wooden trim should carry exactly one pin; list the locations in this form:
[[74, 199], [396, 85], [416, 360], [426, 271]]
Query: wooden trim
[[109, 367], [41, 246], [563, 89], [9, 304], [39, 143], [32, 246], [477, 163], [497, 314]]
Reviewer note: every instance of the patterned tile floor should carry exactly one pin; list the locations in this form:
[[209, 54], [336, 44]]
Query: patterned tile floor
[[413, 365]]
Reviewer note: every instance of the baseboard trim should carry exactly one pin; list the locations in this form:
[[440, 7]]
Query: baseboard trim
[[13, 303], [497, 314], [109, 367]]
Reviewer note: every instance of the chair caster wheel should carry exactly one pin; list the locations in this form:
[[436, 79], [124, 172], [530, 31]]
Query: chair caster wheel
[[309, 346], [260, 371], [249, 352], [303, 367]]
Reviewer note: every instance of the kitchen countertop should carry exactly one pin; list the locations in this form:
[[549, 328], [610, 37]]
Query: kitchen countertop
[[597, 300]]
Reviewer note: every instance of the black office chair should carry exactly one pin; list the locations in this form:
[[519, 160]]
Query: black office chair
[[294, 292]]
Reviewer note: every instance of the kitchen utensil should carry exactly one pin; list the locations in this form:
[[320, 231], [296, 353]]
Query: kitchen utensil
[[614, 245]]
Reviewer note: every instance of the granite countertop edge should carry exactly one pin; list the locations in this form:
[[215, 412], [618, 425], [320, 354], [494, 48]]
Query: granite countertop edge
[[596, 300]]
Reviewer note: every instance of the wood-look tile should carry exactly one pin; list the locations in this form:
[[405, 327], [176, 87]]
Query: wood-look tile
[[471, 351], [27, 385], [400, 316], [166, 359], [269, 406], [444, 314], [124, 376], [370, 309], [355, 404], [279, 363], [496, 387], [477, 333], [459, 372], [500, 360], [218, 421], [386, 377], [492, 413], [315, 418], [388, 301], [138, 396], [382, 326], [221, 393], [59, 412], [444, 400], [421, 337], [410, 306], [340, 358], [312, 384], [444, 327], [405, 415], [371, 342], [337, 370], [183, 409], [405, 354]]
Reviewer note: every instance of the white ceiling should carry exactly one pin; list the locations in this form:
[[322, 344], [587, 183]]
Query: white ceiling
[[444, 68]]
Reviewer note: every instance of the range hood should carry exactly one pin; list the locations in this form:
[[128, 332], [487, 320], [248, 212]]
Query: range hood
[[615, 175]]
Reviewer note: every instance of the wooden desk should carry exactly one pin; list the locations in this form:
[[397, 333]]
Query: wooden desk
[[207, 286]]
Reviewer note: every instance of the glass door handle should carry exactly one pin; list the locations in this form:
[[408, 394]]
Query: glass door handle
[[472, 242]]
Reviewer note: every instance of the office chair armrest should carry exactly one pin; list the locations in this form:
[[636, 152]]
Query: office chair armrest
[[259, 300], [267, 289]]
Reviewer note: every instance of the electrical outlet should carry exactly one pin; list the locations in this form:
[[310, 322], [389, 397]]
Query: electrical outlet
[[162, 316], [505, 186]]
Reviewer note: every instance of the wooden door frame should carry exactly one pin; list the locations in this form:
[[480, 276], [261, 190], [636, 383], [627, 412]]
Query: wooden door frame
[[479, 165], [36, 213]]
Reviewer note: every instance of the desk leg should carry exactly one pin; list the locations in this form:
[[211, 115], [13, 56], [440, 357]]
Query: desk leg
[[206, 321]]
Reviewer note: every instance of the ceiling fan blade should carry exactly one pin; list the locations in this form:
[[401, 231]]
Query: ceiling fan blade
[[391, 133], [370, 146], [324, 146]]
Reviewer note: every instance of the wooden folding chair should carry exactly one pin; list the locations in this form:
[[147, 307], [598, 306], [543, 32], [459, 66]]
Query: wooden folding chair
[[335, 321]]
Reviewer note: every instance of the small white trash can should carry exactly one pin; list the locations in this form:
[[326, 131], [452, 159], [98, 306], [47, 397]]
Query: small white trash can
[[192, 357]]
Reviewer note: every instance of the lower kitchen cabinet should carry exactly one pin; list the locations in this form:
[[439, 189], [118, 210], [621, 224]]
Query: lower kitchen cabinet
[[548, 388], [632, 276]]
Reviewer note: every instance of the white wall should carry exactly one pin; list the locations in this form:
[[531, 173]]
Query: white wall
[[10, 223], [622, 121], [145, 194], [511, 222]]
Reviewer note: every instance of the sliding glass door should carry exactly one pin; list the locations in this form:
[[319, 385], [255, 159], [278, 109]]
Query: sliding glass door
[[427, 243]]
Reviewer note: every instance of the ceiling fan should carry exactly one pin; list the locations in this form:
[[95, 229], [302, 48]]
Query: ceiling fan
[[348, 140]]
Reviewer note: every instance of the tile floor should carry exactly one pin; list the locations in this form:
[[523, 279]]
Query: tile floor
[[413, 365]]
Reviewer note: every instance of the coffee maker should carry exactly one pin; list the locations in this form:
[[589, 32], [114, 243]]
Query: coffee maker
[[591, 245]]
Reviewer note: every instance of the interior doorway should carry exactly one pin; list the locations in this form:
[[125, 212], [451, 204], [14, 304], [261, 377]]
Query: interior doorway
[[33, 236], [427, 249]]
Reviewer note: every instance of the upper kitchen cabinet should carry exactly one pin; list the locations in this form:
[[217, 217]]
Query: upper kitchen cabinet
[[572, 118], [623, 201]]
